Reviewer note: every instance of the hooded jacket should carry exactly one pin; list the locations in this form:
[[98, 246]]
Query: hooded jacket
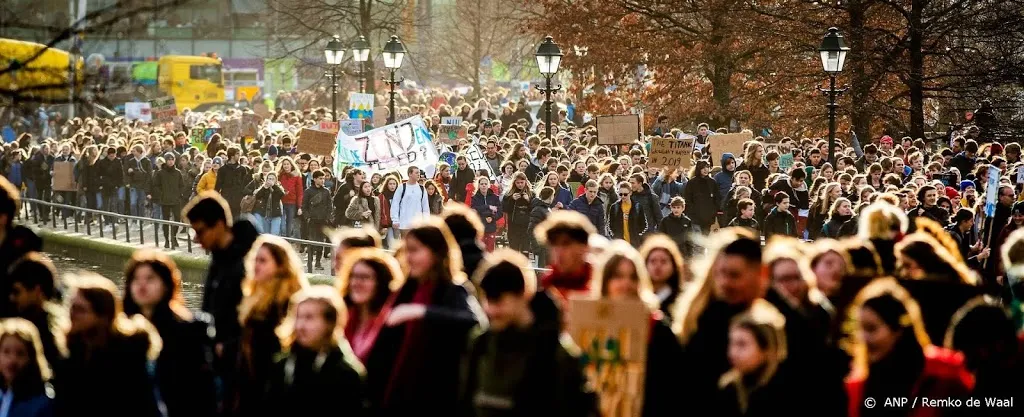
[[724, 178]]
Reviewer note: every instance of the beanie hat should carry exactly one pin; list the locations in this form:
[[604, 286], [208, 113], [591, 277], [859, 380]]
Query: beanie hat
[[218, 160], [967, 183], [887, 139], [169, 155], [951, 193], [272, 150]]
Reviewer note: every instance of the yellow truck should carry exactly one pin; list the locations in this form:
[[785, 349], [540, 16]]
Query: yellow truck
[[30, 71], [191, 80]]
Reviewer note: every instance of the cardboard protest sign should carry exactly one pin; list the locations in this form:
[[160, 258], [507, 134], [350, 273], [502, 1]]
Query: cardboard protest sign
[[163, 110], [232, 128], [64, 177], [360, 106], [450, 134], [387, 148], [618, 129], [451, 120], [329, 126], [316, 142], [138, 111], [262, 110], [351, 127], [251, 125], [730, 142], [613, 336], [670, 153]]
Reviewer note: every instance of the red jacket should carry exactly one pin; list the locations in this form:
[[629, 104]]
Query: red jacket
[[943, 376], [292, 189]]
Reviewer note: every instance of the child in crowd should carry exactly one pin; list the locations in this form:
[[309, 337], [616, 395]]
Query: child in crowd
[[779, 220], [678, 226], [746, 215]]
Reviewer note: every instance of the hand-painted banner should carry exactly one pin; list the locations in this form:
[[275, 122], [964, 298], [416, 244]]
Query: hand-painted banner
[[388, 148]]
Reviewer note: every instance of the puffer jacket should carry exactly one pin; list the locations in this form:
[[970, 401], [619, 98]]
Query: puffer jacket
[[292, 185], [268, 201], [168, 186]]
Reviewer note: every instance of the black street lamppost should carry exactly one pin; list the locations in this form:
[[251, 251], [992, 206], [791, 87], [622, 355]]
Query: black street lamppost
[[361, 53], [334, 52], [394, 53], [549, 56], [833, 56]]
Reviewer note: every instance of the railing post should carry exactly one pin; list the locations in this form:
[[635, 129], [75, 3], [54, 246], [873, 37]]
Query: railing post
[[142, 233], [309, 260]]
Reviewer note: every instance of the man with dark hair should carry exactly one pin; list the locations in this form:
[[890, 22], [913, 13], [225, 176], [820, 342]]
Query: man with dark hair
[[33, 294], [15, 241], [350, 238], [167, 190], [463, 177], [232, 178], [549, 379], [964, 161], [316, 211], [927, 197], [468, 230], [971, 249], [228, 244], [567, 235]]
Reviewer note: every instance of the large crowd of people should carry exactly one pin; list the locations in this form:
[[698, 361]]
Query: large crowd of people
[[778, 283]]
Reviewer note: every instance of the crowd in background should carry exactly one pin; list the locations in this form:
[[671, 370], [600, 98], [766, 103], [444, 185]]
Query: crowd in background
[[882, 276]]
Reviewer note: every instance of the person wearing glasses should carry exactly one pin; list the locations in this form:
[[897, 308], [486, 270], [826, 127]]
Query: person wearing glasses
[[626, 220]]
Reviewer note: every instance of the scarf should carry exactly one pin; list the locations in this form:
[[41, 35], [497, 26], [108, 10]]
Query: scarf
[[411, 356]]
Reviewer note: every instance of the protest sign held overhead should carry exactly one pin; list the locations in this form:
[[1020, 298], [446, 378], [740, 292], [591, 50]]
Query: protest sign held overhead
[[64, 176], [670, 153], [618, 129], [251, 124], [388, 148], [351, 127], [163, 110], [451, 130], [316, 142], [728, 143], [138, 111], [199, 137], [329, 126], [360, 106]]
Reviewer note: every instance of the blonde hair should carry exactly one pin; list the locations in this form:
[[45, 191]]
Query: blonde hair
[[880, 220], [260, 297], [619, 251], [768, 326], [911, 321], [333, 310], [27, 332]]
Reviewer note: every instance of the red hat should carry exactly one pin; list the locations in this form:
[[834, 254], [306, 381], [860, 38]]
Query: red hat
[[951, 193], [887, 138], [995, 149]]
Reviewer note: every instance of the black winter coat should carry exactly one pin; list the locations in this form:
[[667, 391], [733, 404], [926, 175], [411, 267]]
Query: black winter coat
[[341, 201], [18, 241], [110, 173], [637, 223], [664, 366], [231, 182], [222, 291], [702, 201], [457, 187], [517, 221], [306, 383], [184, 370], [833, 226], [316, 204], [168, 187], [538, 213], [779, 223], [650, 203], [112, 381], [451, 315], [679, 229], [268, 201]]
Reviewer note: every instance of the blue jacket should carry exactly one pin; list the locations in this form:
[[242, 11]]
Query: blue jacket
[[14, 175], [562, 195], [481, 203], [594, 211], [674, 189], [38, 406], [724, 178]]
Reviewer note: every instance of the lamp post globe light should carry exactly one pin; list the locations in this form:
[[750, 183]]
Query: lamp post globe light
[[394, 54], [549, 56], [833, 52], [361, 53], [334, 52]]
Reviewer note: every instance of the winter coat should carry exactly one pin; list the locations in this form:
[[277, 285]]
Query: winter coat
[[110, 381], [231, 182], [111, 175], [18, 241], [672, 188], [748, 223], [935, 213], [268, 201], [517, 220], [462, 178], [37, 403], [758, 171], [40, 170], [306, 383], [664, 365], [637, 223], [222, 289], [359, 205], [481, 203], [342, 198], [442, 335], [562, 195], [942, 375], [593, 210], [184, 370], [832, 227], [779, 223], [703, 200], [259, 345], [292, 185], [168, 187], [88, 177], [316, 204], [650, 205], [141, 176], [207, 182], [538, 213], [679, 229], [435, 203]]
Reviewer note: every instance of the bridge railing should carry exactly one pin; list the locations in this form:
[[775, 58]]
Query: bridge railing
[[136, 230]]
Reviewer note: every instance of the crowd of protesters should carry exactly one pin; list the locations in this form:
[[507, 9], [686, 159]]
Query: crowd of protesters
[[882, 276]]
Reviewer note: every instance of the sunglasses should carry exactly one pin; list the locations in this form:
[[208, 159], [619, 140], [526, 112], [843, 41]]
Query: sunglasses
[[623, 194]]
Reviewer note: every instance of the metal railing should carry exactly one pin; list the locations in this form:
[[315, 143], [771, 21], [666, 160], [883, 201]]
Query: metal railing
[[79, 219]]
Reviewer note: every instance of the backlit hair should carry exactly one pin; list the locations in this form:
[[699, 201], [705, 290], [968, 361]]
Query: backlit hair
[[911, 321], [334, 312], [260, 297], [37, 370], [101, 294], [616, 252]]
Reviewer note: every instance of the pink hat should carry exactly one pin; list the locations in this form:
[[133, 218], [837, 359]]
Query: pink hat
[[886, 139]]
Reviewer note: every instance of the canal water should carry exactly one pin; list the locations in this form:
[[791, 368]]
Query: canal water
[[192, 291]]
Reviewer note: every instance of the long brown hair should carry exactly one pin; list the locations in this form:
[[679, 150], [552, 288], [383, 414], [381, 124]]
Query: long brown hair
[[169, 274], [389, 274], [101, 294], [260, 297], [526, 190], [433, 233], [768, 326], [619, 251], [910, 320]]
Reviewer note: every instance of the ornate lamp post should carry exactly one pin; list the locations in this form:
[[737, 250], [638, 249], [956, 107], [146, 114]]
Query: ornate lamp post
[[334, 53], [361, 53], [394, 53], [549, 56], [833, 56]]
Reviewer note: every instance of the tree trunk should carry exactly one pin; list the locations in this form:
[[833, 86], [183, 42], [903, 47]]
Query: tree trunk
[[915, 81], [366, 29], [860, 85], [477, 48]]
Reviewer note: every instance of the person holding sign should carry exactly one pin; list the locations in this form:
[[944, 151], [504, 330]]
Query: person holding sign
[[623, 276]]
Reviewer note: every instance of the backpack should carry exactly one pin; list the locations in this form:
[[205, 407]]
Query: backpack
[[423, 196]]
